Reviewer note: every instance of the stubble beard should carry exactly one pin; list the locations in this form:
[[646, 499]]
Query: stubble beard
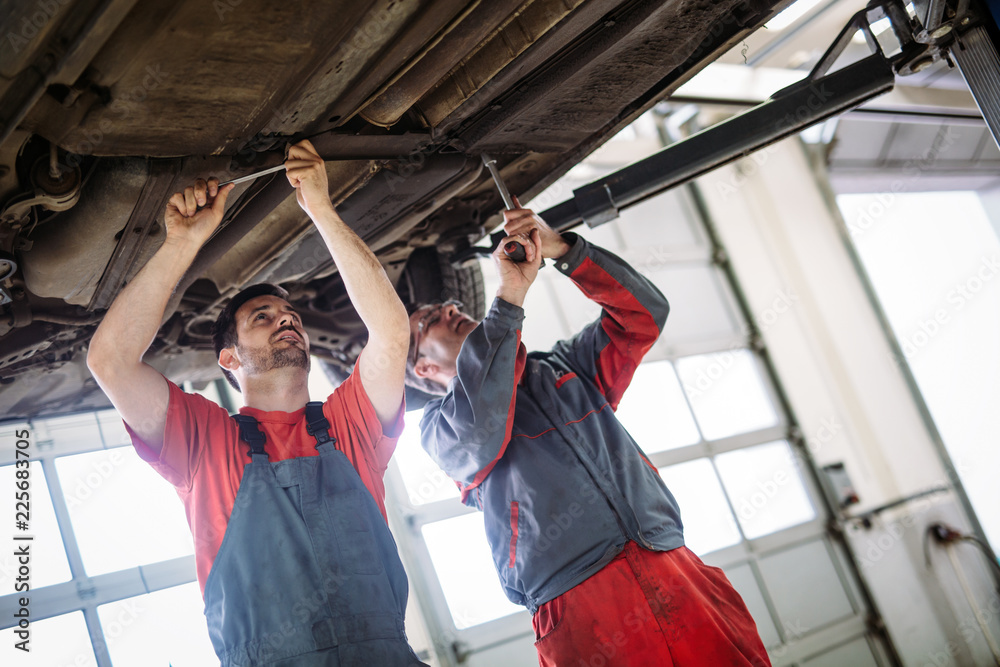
[[260, 360]]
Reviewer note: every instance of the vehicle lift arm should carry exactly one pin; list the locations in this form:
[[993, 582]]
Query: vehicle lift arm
[[821, 95]]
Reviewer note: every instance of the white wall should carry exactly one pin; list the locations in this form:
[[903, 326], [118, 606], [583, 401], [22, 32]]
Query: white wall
[[850, 397]]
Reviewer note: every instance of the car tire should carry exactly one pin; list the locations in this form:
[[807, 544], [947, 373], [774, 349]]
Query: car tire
[[428, 277]]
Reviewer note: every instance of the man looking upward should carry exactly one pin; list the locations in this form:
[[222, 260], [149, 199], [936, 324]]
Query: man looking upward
[[533, 442], [308, 573]]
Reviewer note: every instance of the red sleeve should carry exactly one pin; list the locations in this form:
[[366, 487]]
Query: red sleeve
[[190, 421], [630, 328], [351, 412], [634, 312]]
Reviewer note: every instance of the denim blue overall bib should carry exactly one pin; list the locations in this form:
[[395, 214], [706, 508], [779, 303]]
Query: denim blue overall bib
[[307, 573]]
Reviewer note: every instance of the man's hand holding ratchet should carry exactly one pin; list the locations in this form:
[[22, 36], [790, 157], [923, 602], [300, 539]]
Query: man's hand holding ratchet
[[540, 241]]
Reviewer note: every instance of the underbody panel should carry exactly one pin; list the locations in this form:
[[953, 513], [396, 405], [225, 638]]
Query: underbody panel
[[107, 108]]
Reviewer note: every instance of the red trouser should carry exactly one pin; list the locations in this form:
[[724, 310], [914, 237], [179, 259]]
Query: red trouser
[[649, 609]]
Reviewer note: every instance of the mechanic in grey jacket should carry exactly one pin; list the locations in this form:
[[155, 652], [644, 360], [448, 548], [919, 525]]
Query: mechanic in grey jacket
[[583, 531]]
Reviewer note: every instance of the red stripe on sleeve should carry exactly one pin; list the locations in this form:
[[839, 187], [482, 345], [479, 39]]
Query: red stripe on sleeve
[[629, 325], [513, 533], [561, 381], [522, 356]]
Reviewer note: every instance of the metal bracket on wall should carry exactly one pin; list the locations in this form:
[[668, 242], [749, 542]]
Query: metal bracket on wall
[[596, 205]]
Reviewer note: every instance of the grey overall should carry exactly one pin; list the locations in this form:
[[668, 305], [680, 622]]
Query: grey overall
[[308, 573]]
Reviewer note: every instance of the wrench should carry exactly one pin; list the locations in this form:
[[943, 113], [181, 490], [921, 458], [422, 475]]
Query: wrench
[[250, 177], [513, 249]]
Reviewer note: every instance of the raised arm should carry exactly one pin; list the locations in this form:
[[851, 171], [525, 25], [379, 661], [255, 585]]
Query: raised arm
[[383, 363], [137, 391], [634, 311], [467, 431]]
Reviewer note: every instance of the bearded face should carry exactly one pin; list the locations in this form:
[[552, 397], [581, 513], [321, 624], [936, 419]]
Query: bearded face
[[259, 360]]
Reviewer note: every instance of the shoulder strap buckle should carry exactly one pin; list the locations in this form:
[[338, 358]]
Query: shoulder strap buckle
[[251, 434], [317, 425]]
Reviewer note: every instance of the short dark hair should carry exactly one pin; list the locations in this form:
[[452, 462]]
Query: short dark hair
[[224, 329], [411, 378]]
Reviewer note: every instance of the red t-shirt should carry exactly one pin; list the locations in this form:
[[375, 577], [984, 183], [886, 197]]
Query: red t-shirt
[[203, 456]]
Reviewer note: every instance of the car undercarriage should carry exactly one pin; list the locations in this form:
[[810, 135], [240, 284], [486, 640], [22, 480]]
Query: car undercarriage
[[107, 108]]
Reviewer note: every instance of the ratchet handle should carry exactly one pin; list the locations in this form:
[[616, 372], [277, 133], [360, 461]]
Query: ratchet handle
[[515, 251]]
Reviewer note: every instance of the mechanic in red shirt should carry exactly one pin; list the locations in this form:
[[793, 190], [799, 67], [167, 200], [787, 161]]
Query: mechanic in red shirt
[[286, 499]]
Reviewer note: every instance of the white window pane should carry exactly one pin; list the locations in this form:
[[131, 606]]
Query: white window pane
[[48, 557], [806, 588], [698, 308], [60, 640], [73, 433], [425, 481], [658, 225], [464, 566], [726, 393], [159, 629], [113, 429], [607, 236], [577, 310], [544, 322], [857, 654], [545, 317], [123, 513], [320, 385], [654, 410], [938, 287], [746, 584], [708, 522], [209, 391], [765, 487]]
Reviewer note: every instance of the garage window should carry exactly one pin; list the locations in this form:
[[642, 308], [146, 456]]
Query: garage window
[[49, 565], [149, 523], [462, 558], [168, 624]]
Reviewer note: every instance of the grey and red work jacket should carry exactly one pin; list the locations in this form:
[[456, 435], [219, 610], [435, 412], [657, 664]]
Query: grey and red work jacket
[[533, 442]]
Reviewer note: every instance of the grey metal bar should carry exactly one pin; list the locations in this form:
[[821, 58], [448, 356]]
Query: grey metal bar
[[96, 633], [930, 117], [788, 112], [875, 511], [980, 65], [491, 164], [63, 520], [83, 593], [81, 23]]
